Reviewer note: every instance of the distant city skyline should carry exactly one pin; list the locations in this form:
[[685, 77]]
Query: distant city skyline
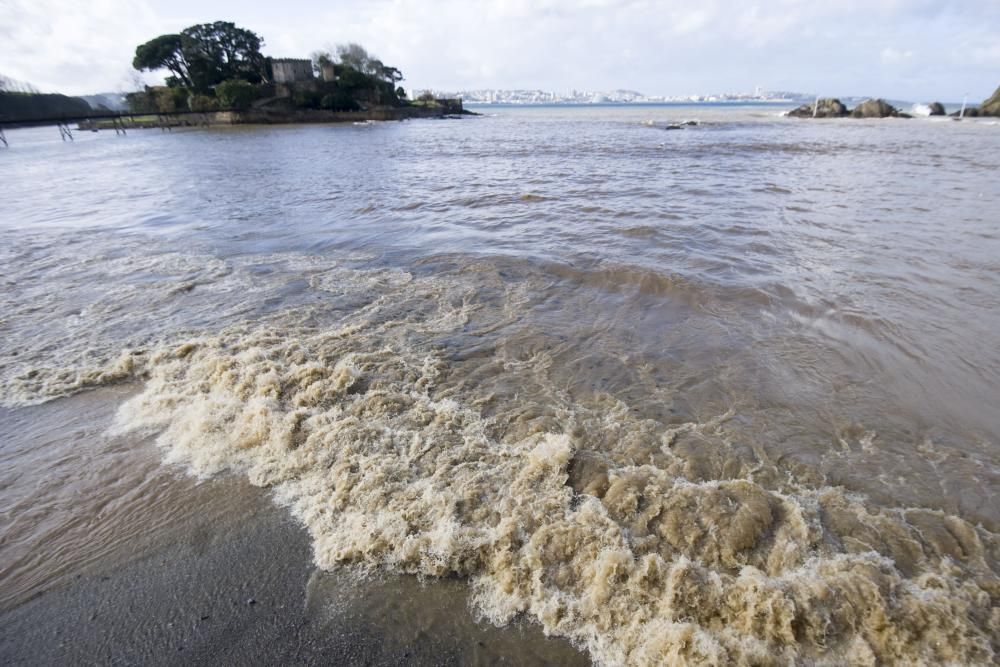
[[916, 50], [619, 95]]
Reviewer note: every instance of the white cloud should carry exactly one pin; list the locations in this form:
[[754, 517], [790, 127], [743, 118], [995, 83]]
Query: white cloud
[[891, 56], [76, 47], [657, 46]]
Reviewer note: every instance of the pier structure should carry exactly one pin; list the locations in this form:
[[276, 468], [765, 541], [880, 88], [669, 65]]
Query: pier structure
[[119, 122]]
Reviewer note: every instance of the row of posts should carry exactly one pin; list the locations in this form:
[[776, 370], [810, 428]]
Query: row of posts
[[116, 123], [66, 134]]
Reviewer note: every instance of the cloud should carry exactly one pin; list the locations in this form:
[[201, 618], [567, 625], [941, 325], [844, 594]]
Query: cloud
[[891, 56], [72, 46], [656, 46]]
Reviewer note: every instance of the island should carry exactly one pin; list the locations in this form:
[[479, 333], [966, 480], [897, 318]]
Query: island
[[217, 75]]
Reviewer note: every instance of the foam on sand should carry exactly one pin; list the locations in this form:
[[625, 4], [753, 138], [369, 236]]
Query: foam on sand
[[706, 559]]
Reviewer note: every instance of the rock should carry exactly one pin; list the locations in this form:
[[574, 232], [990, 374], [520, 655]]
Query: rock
[[937, 109], [970, 112], [827, 107], [874, 109], [991, 107]]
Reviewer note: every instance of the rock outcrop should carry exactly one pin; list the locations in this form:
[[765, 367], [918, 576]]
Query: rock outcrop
[[991, 107], [937, 109], [970, 112], [827, 107], [874, 109]]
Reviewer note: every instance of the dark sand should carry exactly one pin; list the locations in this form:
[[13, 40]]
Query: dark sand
[[212, 588]]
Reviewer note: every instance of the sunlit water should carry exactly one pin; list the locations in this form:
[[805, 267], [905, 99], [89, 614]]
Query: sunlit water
[[724, 393]]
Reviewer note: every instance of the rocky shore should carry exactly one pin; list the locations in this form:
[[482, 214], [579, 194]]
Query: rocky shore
[[829, 107], [271, 116]]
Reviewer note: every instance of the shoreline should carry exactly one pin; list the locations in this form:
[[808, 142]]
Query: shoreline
[[230, 579], [250, 595], [271, 117]]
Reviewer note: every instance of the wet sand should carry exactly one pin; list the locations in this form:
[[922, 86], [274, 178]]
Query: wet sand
[[198, 590], [249, 595]]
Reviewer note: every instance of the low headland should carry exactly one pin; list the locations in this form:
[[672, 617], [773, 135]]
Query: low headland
[[218, 73], [218, 76]]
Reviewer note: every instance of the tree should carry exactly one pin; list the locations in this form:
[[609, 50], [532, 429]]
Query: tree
[[163, 52], [356, 57], [220, 51], [204, 55], [392, 75]]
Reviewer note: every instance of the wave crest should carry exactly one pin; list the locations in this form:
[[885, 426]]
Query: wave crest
[[388, 467]]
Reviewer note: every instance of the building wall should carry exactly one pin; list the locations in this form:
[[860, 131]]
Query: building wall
[[289, 70]]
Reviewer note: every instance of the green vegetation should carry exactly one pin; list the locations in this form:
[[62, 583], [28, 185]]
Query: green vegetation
[[23, 101], [204, 56], [219, 66], [28, 106], [235, 94]]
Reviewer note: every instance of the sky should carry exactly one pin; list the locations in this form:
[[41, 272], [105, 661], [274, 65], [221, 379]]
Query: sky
[[916, 50]]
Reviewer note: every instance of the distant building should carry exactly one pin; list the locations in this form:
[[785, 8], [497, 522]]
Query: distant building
[[291, 70], [330, 71]]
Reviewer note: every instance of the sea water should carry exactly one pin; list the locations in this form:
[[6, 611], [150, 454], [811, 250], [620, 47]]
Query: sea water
[[725, 394]]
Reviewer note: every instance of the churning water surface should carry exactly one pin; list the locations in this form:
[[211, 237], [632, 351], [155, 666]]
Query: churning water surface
[[727, 394]]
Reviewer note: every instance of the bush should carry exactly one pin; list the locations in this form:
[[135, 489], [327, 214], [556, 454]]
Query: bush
[[339, 101], [235, 94], [352, 79], [203, 103], [306, 99], [166, 99]]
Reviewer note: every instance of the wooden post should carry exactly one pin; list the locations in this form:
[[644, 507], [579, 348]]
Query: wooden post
[[3, 139]]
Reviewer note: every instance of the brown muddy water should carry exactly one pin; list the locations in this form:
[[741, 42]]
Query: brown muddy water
[[720, 395]]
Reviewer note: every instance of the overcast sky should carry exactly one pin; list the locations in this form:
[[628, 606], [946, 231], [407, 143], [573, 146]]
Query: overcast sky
[[918, 50]]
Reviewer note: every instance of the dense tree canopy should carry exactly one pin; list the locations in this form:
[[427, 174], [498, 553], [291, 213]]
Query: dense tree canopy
[[355, 59], [217, 65], [204, 55], [220, 51], [163, 52], [26, 106]]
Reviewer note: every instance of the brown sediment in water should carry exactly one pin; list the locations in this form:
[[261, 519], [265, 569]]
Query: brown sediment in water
[[428, 431], [688, 401], [204, 573], [666, 544]]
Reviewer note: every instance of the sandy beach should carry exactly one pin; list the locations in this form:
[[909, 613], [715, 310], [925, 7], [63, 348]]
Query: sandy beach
[[218, 586]]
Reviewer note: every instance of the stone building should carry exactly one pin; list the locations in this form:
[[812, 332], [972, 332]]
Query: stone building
[[291, 70]]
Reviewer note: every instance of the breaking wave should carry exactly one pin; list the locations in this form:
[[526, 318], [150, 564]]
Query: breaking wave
[[644, 542]]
